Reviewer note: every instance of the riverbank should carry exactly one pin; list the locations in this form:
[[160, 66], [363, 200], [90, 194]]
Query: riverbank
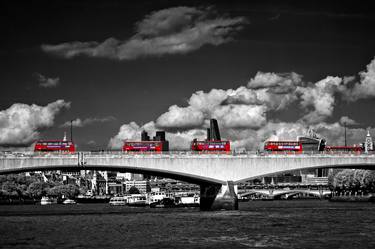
[[18, 201], [353, 198]]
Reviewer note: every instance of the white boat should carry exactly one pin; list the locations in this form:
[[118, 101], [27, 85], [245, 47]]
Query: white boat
[[118, 201], [137, 200], [160, 195], [45, 201], [190, 200], [69, 201]]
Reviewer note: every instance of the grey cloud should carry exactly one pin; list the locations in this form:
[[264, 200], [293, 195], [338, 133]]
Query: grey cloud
[[276, 82], [348, 79], [170, 31], [45, 81], [347, 120], [169, 21], [88, 121]]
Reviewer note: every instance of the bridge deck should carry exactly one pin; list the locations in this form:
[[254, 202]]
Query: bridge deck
[[215, 168]]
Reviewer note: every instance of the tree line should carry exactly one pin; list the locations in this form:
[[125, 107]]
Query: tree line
[[33, 187], [23, 187], [349, 180]]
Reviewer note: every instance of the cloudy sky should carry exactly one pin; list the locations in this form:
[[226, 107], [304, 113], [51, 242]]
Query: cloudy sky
[[264, 69]]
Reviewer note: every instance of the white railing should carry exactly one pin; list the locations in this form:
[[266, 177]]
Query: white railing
[[184, 154]]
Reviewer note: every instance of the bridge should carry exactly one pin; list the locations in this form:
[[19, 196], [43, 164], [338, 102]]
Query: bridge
[[275, 193], [217, 174]]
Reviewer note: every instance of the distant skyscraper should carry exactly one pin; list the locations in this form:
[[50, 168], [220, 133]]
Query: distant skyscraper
[[368, 144], [208, 134], [214, 130], [160, 136], [144, 136]]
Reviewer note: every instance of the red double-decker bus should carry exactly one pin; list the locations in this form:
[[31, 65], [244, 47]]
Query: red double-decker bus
[[283, 146], [210, 145], [54, 146], [333, 149], [143, 146]]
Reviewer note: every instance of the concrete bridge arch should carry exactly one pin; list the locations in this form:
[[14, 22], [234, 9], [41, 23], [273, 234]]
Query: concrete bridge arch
[[217, 174]]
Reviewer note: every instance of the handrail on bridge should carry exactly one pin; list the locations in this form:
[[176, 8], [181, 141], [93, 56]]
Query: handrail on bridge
[[233, 153]]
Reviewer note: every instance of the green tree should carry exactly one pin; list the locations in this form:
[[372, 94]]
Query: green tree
[[133, 190], [369, 181], [68, 191], [11, 190], [38, 189], [352, 180]]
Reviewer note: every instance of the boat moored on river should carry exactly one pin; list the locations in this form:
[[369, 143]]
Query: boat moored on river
[[69, 201], [137, 200], [119, 200], [164, 203], [46, 201]]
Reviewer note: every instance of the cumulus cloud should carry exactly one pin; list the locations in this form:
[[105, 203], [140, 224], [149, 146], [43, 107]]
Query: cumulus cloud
[[46, 82], [175, 30], [366, 87], [276, 90], [207, 101], [20, 123], [88, 121], [348, 121], [182, 117], [320, 97], [246, 115], [241, 116], [348, 79], [278, 83]]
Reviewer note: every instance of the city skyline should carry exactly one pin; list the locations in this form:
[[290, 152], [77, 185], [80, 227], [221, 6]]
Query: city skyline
[[264, 70]]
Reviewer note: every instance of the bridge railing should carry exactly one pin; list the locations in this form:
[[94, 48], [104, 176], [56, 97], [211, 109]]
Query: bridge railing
[[29, 154], [112, 153]]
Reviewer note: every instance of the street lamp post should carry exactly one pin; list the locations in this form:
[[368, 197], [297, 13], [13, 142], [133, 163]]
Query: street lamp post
[[345, 132], [71, 130]]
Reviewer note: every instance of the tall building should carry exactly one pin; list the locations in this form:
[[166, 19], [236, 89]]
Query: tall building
[[145, 136], [369, 146], [213, 133], [160, 136]]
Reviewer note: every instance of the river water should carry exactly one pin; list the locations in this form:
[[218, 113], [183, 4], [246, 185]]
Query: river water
[[258, 224]]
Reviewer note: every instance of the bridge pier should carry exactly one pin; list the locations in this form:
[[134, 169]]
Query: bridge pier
[[217, 197]]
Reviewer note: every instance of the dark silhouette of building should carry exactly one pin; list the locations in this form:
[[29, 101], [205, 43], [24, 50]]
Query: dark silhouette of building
[[158, 143], [145, 136], [213, 133], [160, 136], [208, 134]]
